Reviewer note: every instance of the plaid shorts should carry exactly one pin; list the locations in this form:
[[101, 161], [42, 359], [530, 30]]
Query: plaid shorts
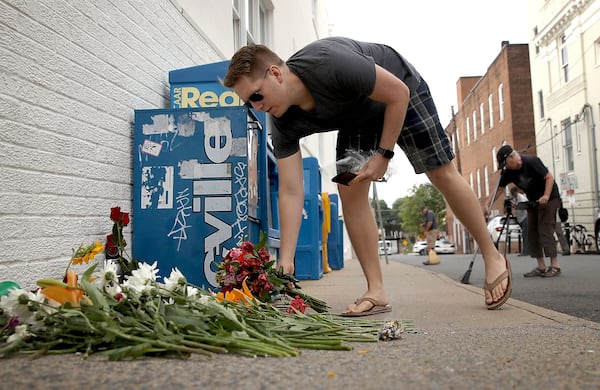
[[422, 138]]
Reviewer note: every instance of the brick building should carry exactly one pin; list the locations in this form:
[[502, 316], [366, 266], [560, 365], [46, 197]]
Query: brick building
[[493, 109]]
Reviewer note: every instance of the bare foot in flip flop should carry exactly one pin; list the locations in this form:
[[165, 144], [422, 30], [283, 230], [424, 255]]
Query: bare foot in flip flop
[[287, 269], [498, 290], [366, 306]]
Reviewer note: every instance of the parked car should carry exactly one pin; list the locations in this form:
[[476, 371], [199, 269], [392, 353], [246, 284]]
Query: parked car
[[442, 246], [382, 248], [420, 247], [495, 227]]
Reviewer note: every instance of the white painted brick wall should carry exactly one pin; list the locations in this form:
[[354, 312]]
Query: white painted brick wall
[[71, 74]]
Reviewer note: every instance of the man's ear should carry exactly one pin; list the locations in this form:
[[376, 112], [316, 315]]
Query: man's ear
[[277, 72]]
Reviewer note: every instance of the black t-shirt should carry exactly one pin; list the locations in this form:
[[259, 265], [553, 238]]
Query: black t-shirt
[[340, 75], [530, 178]]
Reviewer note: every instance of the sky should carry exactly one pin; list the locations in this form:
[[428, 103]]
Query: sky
[[444, 40]]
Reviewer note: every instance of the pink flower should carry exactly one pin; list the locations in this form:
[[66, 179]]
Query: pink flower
[[247, 246], [13, 322]]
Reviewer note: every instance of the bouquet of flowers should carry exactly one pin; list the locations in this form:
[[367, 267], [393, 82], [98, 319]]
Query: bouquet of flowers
[[115, 244], [96, 313], [131, 314], [252, 264]]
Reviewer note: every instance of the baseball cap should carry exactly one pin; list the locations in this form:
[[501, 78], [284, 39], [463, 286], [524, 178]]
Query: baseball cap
[[503, 154]]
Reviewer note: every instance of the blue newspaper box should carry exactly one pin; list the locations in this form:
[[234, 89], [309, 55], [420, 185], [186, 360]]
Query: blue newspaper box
[[200, 87], [335, 241], [200, 184], [309, 261]]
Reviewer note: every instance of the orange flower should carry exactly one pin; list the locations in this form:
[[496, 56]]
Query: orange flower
[[69, 293], [236, 295]]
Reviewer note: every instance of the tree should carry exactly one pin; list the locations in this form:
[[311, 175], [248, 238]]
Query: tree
[[389, 217]]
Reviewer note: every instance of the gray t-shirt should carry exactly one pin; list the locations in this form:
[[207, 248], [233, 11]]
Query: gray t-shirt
[[430, 216], [340, 75]]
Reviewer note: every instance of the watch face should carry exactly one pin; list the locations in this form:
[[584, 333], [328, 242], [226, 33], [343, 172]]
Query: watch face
[[385, 152]]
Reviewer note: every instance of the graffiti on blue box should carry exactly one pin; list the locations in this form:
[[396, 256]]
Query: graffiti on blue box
[[192, 192]]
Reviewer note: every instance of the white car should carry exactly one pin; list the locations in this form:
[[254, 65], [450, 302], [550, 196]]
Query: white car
[[442, 246], [495, 226], [382, 249]]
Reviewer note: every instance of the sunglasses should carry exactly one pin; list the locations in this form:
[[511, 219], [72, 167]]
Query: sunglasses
[[257, 96]]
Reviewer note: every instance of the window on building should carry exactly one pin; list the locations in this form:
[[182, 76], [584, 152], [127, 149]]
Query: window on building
[[500, 103], [578, 130], [251, 22], [491, 110], [468, 131], [471, 181], [541, 103], [597, 51], [237, 25], [568, 147], [478, 183], [494, 161], [474, 125], [564, 58], [457, 134], [486, 178], [263, 18], [556, 143], [482, 117]]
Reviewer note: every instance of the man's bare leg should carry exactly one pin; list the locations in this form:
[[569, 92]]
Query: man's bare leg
[[466, 207], [362, 229]]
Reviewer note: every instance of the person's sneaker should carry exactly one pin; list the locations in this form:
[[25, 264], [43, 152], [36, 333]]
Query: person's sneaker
[[550, 272], [535, 272], [566, 253]]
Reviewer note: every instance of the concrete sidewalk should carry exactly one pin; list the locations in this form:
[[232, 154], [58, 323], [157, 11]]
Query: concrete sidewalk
[[459, 344]]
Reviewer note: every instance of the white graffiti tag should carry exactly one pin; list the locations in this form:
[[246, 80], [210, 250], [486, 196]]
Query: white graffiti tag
[[178, 231]]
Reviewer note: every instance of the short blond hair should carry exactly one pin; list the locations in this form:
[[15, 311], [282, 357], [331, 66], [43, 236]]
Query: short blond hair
[[251, 61]]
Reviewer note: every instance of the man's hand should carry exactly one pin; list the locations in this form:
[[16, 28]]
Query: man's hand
[[286, 268], [373, 170]]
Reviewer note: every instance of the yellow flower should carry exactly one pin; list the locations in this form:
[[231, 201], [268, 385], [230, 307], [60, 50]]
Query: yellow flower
[[85, 254]]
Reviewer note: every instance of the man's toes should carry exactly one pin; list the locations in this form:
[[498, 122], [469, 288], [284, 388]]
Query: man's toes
[[499, 293], [488, 298]]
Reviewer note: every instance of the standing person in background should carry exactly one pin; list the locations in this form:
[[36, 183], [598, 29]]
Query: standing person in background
[[430, 230], [520, 203], [531, 175], [375, 99]]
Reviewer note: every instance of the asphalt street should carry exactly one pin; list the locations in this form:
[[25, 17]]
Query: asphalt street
[[575, 292]]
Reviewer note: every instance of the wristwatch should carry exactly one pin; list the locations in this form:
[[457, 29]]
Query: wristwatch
[[386, 153]]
